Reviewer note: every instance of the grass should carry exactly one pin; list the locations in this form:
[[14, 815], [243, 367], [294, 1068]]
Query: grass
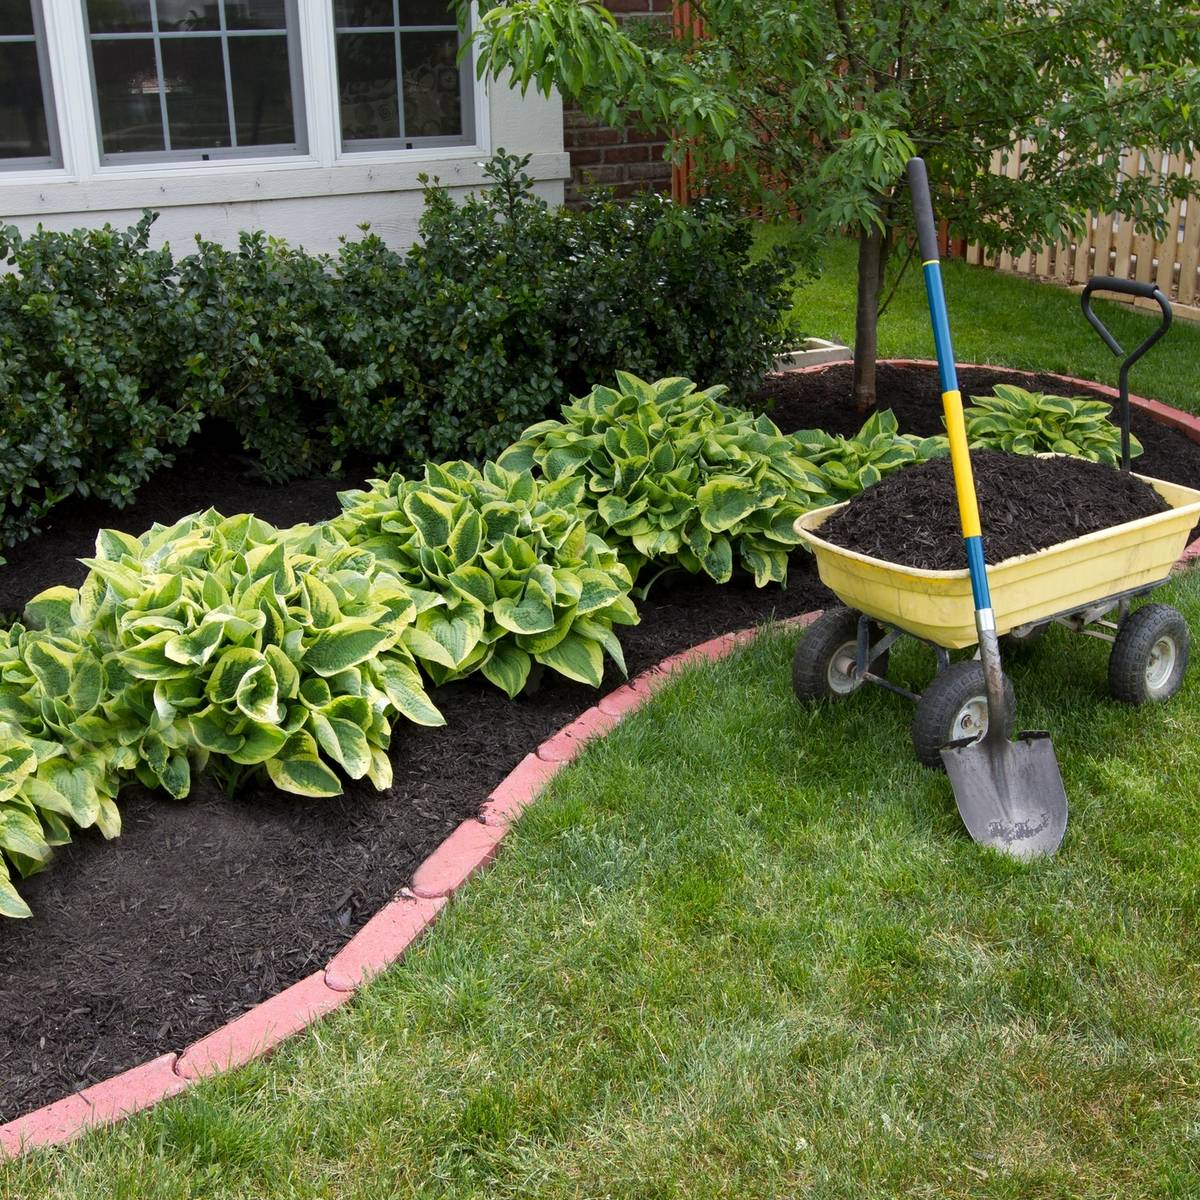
[[745, 950], [1005, 320]]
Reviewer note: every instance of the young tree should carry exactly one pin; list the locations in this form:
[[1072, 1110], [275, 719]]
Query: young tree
[[813, 106]]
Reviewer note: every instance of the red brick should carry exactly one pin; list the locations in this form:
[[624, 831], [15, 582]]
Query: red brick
[[653, 170], [517, 789], [569, 740], [261, 1029], [627, 8], [584, 158], [652, 138], [57, 1122], [599, 137], [470, 847], [623, 154], [381, 941], [600, 175]]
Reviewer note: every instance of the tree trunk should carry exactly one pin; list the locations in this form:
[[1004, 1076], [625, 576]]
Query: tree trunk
[[872, 261]]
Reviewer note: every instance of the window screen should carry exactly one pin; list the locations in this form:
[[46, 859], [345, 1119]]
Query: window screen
[[28, 135]]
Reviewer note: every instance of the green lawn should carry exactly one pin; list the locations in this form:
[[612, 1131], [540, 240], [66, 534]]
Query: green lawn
[[1006, 320], [745, 950]]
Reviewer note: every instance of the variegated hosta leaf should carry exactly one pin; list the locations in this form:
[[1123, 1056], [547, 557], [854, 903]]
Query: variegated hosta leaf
[[1024, 422], [665, 467], [509, 563]]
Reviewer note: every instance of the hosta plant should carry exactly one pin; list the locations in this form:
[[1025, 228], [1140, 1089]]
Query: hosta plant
[[1026, 422], [848, 465], [675, 478], [230, 644], [60, 764], [517, 576]]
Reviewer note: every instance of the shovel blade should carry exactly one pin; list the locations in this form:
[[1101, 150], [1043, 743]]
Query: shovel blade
[[1010, 795]]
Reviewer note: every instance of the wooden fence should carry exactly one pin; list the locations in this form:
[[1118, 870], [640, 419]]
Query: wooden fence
[[1110, 245]]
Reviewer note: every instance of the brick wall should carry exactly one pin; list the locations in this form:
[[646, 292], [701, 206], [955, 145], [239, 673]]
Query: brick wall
[[626, 161]]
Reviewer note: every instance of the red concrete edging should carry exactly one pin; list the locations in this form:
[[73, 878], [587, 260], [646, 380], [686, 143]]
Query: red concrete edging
[[381, 941]]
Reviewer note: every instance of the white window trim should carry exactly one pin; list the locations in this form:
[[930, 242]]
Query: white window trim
[[83, 184]]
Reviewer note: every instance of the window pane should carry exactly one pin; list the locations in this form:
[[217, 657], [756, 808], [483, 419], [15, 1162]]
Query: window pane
[[119, 16], [179, 16], [262, 91], [431, 85], [15, 17], [363, 12], [127, 88], [427, 12], [255, 14], [196, 107], [367, 85], [22, 112]]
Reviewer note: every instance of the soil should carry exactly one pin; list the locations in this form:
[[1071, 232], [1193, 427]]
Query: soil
[[202, 908], [1025, 503]]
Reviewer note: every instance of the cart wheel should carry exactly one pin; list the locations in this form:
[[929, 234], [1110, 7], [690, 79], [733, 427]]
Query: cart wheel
[[1150, 655], [954, 706], [824, 662], [1013, 643]]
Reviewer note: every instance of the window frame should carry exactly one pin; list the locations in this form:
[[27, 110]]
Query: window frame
[[298, 148], [352, 147], [39, 37]]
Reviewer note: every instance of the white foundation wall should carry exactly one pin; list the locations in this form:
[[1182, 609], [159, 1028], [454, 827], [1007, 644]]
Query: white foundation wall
[[310, 200]]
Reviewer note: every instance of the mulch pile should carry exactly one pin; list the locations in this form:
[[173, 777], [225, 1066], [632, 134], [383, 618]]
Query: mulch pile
[[1025, 504], [205, 907]]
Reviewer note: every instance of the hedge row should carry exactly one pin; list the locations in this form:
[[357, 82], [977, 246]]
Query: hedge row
[[112, 354]]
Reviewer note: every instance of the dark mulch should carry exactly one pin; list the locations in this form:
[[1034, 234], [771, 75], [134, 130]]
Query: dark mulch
[[820, 400], [203, 908], [1025, 504]]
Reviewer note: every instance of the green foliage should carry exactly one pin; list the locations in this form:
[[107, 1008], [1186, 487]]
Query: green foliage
[[847, 465], [1031, 423], [96, 389], [59, 759], [228, 643], [511, 573], [677, 479], [812, 109]]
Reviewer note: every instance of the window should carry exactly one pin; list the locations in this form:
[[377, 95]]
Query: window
[[195, 79], [399, 82], [28, 131]]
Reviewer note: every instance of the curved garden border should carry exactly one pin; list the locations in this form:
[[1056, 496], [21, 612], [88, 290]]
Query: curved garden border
[[389, 933]]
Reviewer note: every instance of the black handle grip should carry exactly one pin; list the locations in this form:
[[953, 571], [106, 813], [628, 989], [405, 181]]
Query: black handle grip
[[922, 206], [1127, 287]]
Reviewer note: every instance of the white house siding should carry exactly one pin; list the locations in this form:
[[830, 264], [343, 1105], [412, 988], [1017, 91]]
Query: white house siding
[[309, 199]]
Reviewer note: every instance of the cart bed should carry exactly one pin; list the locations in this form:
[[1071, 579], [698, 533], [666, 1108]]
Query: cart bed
[[1068, 577]]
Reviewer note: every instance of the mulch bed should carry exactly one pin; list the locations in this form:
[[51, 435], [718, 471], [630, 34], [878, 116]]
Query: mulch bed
[[1025, 504], [202, 908]]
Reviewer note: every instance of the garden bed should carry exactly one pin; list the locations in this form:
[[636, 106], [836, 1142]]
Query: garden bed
[[204, 907]]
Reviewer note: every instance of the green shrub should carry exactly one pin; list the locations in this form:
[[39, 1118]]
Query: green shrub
[[674, 478], [1024, 422], [517, 576], [848, 465], [96, 377]]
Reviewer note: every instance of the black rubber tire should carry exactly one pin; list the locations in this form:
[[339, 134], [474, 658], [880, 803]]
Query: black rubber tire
[[936, 716], [1131, 676], [816, 651], [1011, 644]]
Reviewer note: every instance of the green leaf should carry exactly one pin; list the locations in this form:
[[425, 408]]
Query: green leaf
[[345, 645], [507, 666], [343, 741], [577, 658]]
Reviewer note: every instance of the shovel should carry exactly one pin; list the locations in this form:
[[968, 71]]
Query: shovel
[[1009, 794]]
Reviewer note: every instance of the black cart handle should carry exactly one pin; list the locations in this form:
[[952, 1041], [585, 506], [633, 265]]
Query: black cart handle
[[1125, 287]]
